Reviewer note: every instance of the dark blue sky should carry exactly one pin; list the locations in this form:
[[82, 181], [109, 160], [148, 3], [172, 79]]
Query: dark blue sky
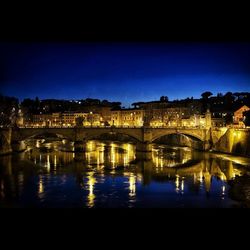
[[124, 72]]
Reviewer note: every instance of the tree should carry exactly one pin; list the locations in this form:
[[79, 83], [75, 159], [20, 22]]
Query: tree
[[206, 95], [229, 99], [116, 105], [229, 119], [106, 124], [164, 99], [79, 121], [205, 100], [4, 120], [8, 109], [105, 102]]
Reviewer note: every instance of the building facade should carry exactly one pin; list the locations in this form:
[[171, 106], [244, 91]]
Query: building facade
[[238, 117], [127, 117], [67, 119]]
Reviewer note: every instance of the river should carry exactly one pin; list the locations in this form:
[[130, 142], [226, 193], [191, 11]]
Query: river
[[112, 174]]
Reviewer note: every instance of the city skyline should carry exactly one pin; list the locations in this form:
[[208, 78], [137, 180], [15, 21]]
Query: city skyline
[[126, 72]]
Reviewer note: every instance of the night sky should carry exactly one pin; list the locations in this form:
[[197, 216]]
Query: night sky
[[125, 72]]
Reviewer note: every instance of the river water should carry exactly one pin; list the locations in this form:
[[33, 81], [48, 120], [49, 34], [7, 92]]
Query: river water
[[112, 174]]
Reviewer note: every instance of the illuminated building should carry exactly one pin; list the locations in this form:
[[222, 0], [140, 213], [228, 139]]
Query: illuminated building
[[20, 120], [127, 117], [67, 119], [42, 119], [153, 114], [218, 122], [164, 117], [170, 117], [239, 117], [56, 119]]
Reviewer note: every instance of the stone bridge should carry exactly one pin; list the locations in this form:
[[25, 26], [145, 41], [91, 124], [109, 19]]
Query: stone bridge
[[140, 134], [227, 140], [143, 136]]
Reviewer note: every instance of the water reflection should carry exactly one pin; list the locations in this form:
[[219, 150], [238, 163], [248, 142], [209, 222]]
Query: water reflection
[[132, 185], [170, 156], [177, 183], [111, 174], [91, 183]]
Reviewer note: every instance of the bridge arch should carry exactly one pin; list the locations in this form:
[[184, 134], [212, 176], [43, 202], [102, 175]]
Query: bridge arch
[[191, 135], [24, 134], [4, 143], [110, 134]]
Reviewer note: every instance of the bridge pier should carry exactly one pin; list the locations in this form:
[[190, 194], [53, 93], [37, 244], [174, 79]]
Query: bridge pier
[[5, 141], [146, 167], [18, 146], [207, 145], [144, 147], [79, 146], [80, 156], [144, 151], [143, 156]]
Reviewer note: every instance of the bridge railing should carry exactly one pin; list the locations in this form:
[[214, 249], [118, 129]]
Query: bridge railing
[[156, 127], [127, 126]]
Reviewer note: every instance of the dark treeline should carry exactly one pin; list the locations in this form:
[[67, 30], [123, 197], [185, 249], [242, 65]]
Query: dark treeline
[[227, 102], [8, 108], [48, 106], [215, 103]]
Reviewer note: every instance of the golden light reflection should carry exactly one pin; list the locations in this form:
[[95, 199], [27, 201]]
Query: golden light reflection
[[48, 162], [125, 160], [112, 155], [170, 159], [177, 183], [139, 178], [132, 185], [91, 183], [156, 161], [200, 177], [223, 189], [40, 186], [97, 158], [55, 161], [91, 145], [161, 162], [182, 186]]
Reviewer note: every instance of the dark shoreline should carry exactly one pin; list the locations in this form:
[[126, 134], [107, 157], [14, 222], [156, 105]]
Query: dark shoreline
[[240, 190]]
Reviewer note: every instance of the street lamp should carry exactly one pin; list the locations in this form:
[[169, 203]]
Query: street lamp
[[132, 118], [91, 118], [131, 115]]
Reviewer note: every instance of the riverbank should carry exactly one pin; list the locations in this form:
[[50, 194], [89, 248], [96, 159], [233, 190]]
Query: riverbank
[[240, 190], [230, 154]]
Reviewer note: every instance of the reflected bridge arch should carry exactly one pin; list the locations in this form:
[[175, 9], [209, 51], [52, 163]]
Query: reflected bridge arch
[[28, 133]]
